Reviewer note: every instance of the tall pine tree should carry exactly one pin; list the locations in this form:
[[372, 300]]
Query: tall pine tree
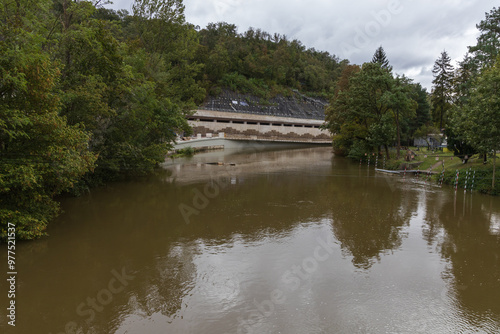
[[379, 57], [488, 43], [442, 89]]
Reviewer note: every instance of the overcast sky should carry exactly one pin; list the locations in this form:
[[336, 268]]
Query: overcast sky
[[412, 32]]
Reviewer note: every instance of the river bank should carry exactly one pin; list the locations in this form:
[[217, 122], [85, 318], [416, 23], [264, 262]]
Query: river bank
[[445, 168]]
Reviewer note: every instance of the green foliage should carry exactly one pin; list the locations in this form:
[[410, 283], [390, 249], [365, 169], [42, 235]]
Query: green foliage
[[482, 179], [420, 118], [158, 21], [170, 47], [379, 57], [84, 89], [239, 83], [90, 95], [359, 150], [457, 140], [482, 112], [422, 113], [40, 154], [369, 106], [442, 89], [185, 152], [131, 96], [464, 75], [402, 105], [274, 62], [394, 164], [383, 132], [480, 120], [488, 43], [474, 125]]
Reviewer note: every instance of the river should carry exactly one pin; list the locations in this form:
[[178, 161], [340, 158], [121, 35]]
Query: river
[[263, 241]]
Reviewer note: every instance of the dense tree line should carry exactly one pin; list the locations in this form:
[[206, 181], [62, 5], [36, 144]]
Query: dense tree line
[[472, 106], [373, 108], [89, 94], [263, 64]]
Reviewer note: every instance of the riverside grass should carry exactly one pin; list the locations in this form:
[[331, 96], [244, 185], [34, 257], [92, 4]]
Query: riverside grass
[[433, 161]]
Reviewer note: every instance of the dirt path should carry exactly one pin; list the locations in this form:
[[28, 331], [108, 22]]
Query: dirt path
[[437, 164]]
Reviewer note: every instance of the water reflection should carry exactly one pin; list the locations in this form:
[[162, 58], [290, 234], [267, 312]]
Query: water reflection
[[472, 249], [406, 257], [371, 220]]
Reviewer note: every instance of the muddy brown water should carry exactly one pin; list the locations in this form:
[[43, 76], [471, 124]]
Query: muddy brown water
[[280, 241]]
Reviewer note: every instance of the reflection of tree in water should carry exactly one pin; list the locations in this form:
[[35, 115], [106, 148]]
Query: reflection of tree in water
[[432, 229], [370, 219], [473, 252], [164, 282], [161, 248]]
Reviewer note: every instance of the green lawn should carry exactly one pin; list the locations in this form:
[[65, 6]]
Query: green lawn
[[431, 158], [483, 172]]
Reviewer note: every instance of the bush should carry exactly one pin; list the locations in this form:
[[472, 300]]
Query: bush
[[239, 83], [358, 150], [184, 152], [394, 164], [188, 151], [482, 180]]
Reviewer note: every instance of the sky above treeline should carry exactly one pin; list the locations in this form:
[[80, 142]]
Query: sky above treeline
[[413, 33]]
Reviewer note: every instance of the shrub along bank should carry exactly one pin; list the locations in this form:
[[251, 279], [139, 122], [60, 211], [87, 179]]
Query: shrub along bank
[[474, 174]]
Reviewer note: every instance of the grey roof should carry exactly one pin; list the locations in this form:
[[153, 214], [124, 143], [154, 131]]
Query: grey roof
[[297, 105]]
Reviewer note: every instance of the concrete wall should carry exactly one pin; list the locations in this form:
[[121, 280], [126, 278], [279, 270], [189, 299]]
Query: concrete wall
[[215, 143], [235, 116], [251, 125]]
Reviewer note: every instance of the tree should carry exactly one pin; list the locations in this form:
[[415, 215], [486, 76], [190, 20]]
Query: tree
[[131, 96], [422, 113], [40, 154], [337, 115], [466, 76], [370, 109], [456, 138], [488, 42], [359, 103], [462, 80], [369, 100], [158, 21], [171, 45], [218, 62], [442, 88], [91, 73], [272, 61], [402, 106], [383, 132], [379, 57], [481, 121]]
